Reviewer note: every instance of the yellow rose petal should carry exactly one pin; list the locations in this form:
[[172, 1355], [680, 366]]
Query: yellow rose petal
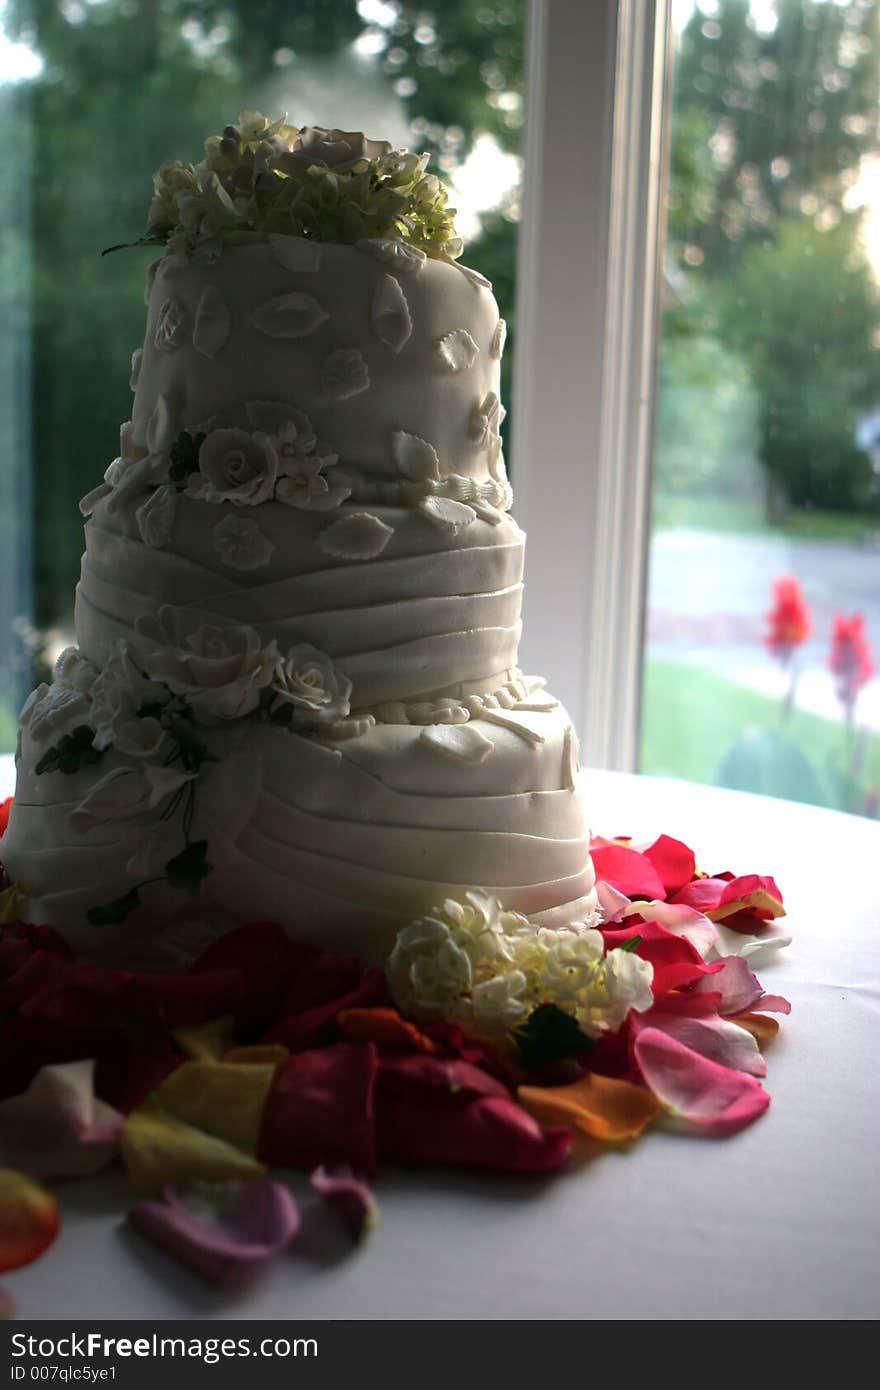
[[600, 1106], [158, 1148], [224, 1099]]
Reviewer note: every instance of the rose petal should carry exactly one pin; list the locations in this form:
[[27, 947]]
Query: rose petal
[[320, 1109], [205, 1042], [676, 962], [712, 1098], [736, 984], [756, 949], [306, 1021], [612, 903], [29, 1219], [158, 1148], [384, 1027], [713, 1037], [58, 1127], [601, 1106], [673, 861], [484, 1131], [350, 1196], [223, 1099], [683, 921], [628, 871], [762, 1029], [257, 1221], [756, 891]]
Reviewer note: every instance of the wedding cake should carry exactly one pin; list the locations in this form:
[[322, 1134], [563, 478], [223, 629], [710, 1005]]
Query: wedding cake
[[295, 692]]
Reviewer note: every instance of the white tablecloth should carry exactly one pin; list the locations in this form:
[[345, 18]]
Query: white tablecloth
[[781, 1221]]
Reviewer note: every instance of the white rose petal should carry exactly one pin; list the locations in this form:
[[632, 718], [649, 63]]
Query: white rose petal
[[446, 513], [295, 252], [392, 251], [416, 459], [171, 325], [344, 373]]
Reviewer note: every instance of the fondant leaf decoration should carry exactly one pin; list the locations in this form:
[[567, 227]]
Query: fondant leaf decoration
[[402, 257], [289, 316], [389, 315], [478, 281], [162, 426], [499, 337], [295, 252], [358, 537], [446, 513], [415, 458], [458, 742], [136, 359], [213, 322], [456, 350], [570, 759]]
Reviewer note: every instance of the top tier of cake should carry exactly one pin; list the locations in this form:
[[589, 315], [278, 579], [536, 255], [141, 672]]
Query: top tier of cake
[[369, 341]]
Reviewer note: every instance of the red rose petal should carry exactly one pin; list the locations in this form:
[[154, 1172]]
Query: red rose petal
[[318, 1024], [675, 960], [628, 871], [320, 1109]]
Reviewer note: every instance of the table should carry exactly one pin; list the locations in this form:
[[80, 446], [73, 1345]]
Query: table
[[781, 1221]]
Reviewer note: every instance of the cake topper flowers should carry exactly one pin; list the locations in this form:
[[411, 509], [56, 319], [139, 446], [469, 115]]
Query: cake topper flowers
[[259, 178]]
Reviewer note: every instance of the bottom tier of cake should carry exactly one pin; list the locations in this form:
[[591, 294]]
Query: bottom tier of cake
[[343, 842]]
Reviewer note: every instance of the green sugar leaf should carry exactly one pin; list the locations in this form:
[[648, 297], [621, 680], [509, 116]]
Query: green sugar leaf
[[631, 944], [187, 869], [548, 1035], [112, 913], [184, 455], [71, 752]]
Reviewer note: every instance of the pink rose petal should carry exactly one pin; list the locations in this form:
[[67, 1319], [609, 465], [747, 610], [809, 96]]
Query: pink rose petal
[[711, 1036], [58, 1128], [712, 1098], [612, 903], [737, 984], [684, 921], [350, 1196], [224, 1232]]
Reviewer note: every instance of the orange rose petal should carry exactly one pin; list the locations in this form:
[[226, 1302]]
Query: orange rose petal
[[762, 1028], [223, 1099], [158, 1148], [384, 1027], [257, 1054], [759, 901], [601, 1106], [206, 1042], [29, 1219]]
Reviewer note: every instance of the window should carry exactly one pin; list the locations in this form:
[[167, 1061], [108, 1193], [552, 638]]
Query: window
[[764, 593], [94, 95]]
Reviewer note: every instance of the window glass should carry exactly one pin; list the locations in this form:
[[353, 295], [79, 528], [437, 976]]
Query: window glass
[[94, 95], [764, 596]]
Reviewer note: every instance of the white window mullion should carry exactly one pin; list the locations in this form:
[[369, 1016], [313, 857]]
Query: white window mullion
[[586, 314]]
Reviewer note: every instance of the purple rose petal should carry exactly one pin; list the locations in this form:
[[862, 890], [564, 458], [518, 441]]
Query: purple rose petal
[[350, 1196], [222, 1231]]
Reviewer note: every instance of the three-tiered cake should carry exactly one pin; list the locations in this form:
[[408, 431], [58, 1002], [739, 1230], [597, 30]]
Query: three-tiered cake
[[295, 687]]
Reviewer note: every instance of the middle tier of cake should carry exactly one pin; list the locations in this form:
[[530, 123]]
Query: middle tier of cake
[[407, 610]]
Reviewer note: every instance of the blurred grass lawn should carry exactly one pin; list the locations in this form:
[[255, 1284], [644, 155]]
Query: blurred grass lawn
[[692, 718]]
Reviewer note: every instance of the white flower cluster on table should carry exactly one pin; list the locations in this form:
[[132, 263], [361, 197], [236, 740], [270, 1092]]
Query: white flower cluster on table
[[474, 963]]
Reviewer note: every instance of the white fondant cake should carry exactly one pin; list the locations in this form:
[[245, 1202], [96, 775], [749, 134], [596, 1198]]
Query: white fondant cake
[[295, 688]]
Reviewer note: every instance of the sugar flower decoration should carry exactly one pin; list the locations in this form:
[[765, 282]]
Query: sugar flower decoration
[[308, 689], [271, 178], [474, 963]]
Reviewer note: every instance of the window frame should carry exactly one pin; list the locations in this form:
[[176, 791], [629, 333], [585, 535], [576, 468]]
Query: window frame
[[588, 276]]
